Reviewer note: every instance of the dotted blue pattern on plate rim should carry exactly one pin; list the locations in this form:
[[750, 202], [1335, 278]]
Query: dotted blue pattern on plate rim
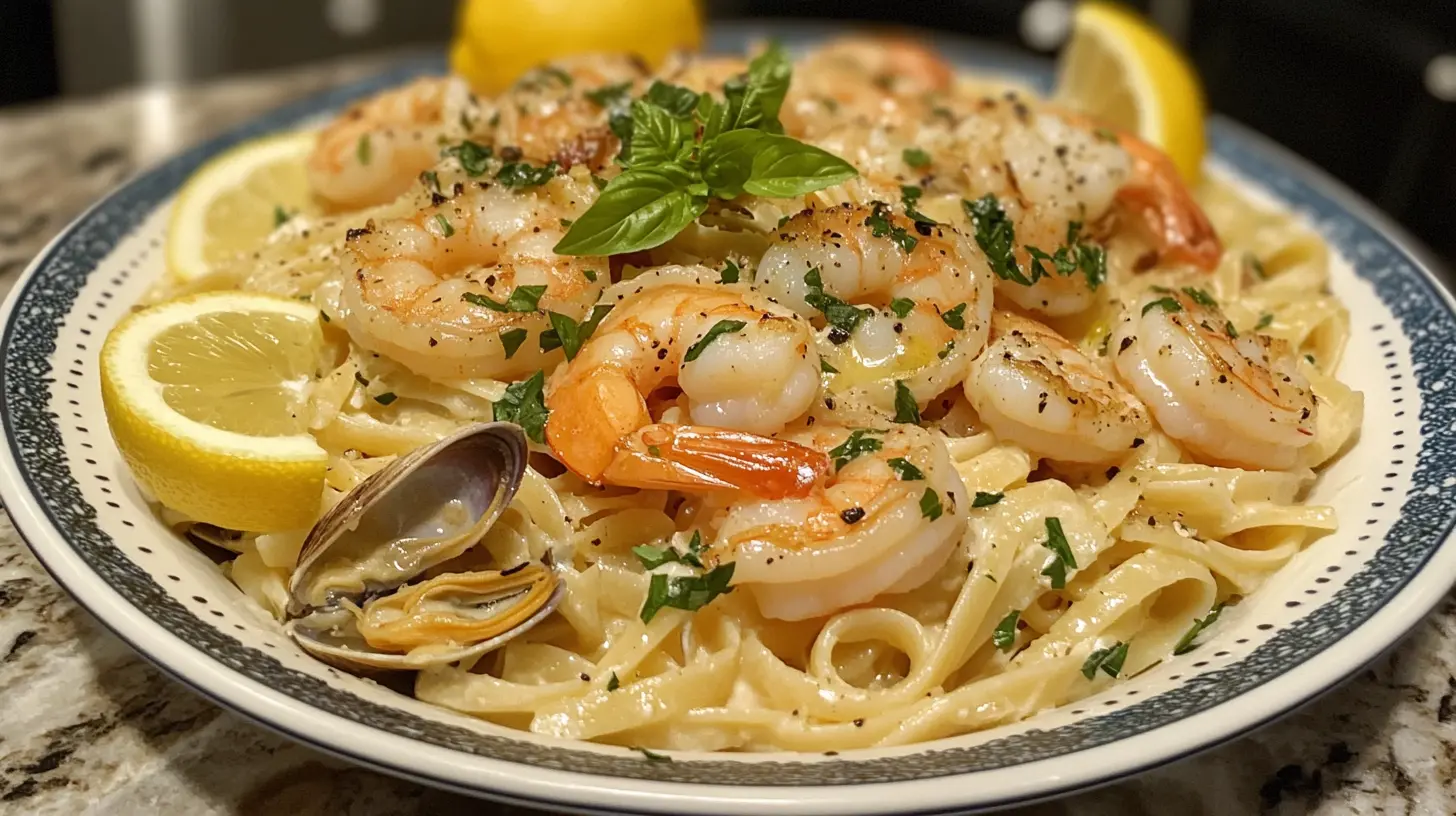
[[1425, 521]]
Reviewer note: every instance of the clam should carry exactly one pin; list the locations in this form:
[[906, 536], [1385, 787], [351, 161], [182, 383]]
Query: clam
[[355, 598]]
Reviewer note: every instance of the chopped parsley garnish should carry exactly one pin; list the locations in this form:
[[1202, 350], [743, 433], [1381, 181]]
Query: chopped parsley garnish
[[363, 150], [1004, 638], [280, 216], [910, 196], [1200, 297], [880, 226], [1166, 303], [955, 318], [524, 405], [906, 409], [386, 398], [915, 157], [1185, 644], [613, 683], [1256, 266], [858, 444], [984, 499], [472, 157], [511, 340], [522, 174], [591, 274], [430, 179], [567, 335], [522, 299], [653, 756], [686, 592], [1109, 660], [930, 506], [1228, 328], [945, 352], [719, 329], [826, 368], [611, 96], [1105, 134], [836, 312], [1062, 557], [729, 273], [902, 306], [907, 471], [445, 227], [1265, 320], [996, 236]]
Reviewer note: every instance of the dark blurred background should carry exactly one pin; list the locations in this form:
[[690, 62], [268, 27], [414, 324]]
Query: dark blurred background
[[1366, 88]]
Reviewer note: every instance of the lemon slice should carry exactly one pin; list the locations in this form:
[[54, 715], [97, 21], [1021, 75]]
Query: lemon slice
[[207, 397], [492, 49], [234, 201], [1121, 70]]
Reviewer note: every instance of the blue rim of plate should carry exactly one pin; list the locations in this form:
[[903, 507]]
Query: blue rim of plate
[[1402, 281]]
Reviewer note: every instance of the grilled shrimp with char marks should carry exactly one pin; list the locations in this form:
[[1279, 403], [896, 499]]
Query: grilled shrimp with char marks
[[1230, 398]]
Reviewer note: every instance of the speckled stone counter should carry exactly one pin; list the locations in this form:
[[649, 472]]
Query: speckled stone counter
[[87, 726]]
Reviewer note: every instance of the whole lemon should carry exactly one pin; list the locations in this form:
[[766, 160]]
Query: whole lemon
[[495, 42]]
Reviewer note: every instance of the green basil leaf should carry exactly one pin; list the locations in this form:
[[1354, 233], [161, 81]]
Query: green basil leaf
[[984, 499], [902, 306], [523, 174], [657, 135], [677, 101], [784, 168], [522, 299], [754, 101], [728, 160], [640, 209], [729, 273]]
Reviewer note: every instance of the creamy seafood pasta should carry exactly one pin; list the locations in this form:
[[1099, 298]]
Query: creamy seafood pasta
[[758, 404]]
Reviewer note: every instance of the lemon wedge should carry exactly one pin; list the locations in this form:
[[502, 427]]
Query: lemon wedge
[[1123, 71], [493, 47], [207, 398], [234, 201]]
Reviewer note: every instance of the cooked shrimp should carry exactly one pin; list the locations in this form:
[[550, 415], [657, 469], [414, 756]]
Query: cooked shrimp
[[1035, 389], [745, 368], [929, 287], [884, 521], [1230, 398], [1048, 169], [559, 111], [434, 291], [374, 151], [882, 79]]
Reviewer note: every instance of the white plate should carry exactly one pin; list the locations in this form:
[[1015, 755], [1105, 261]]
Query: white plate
[[1337, 606]]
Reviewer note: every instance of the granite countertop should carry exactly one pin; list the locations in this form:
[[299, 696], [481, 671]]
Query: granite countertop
[[87, 726]]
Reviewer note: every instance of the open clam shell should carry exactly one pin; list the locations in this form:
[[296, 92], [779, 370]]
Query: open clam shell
[[449, 618], [424, 509]]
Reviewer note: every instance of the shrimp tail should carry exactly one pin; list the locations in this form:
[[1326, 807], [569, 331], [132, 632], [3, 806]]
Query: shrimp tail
[[692, 457], [1183, 231]]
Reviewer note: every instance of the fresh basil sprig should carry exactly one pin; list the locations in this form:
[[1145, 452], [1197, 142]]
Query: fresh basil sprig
[[682, 149]]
